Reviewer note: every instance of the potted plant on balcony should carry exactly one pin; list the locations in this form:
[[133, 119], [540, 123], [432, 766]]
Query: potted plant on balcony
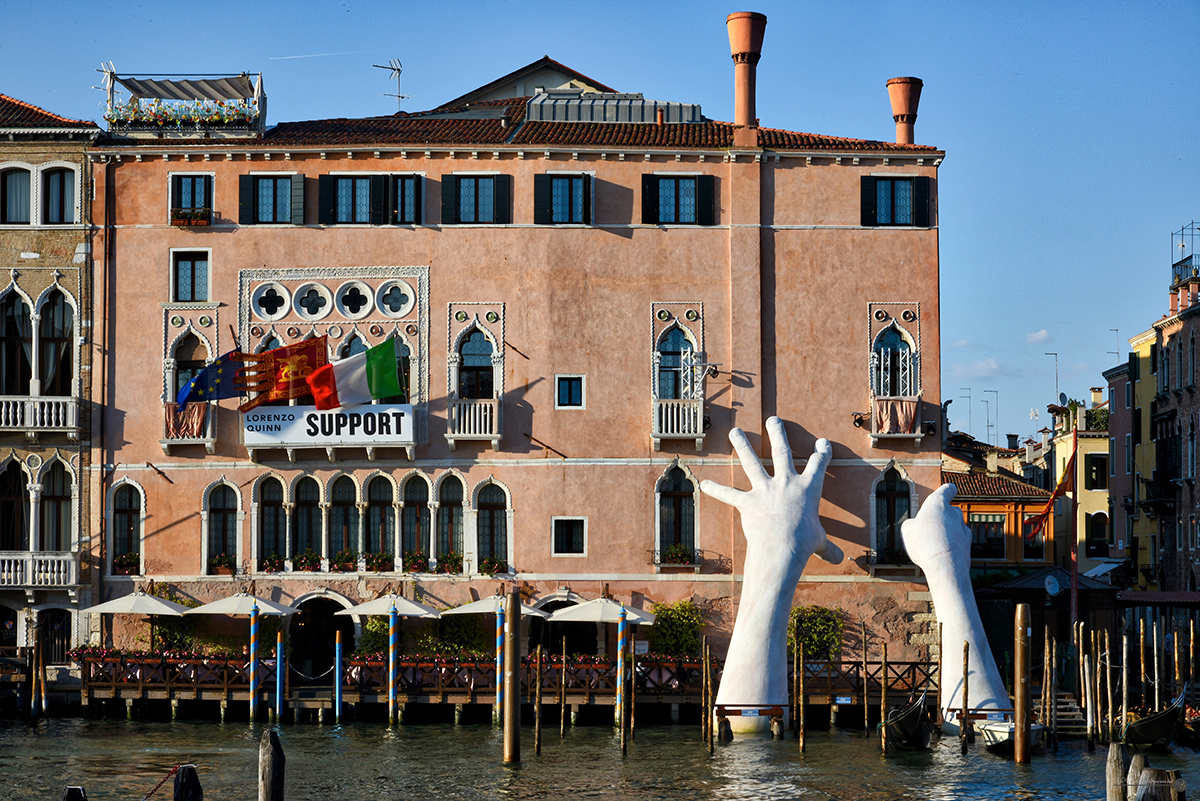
[[491, 565], [222, 565], [345, 561], [184, 217], [677, 554], [308, 561], [271, 564], [127, 564], [380, 562], [416, 561], [450, 562]]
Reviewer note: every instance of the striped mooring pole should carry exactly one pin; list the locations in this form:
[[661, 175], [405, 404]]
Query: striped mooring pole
[[254, 661], [393, 667], [280, 672], [337, 678], [619, 717], [498, 709]]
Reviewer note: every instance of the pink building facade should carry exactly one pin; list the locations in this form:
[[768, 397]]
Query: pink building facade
[[589, 291]]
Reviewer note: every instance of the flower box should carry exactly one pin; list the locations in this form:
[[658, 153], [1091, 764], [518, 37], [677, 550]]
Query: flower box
[[122, 570], [221, 571]]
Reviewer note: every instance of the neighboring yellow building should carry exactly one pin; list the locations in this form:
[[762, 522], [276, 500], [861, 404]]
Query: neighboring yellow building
[[1088, 497], [1141, 527]]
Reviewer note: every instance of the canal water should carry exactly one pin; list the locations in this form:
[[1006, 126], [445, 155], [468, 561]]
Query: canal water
[[120, 759]]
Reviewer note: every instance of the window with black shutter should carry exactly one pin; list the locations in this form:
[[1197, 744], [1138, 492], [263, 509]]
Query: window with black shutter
[[191, 199], [562, 199], [346, 199], [477, 200], [683, 200], [900, 201], [269, 199]]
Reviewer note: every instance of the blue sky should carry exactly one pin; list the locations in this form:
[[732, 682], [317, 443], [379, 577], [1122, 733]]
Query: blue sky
[[1072, 130]]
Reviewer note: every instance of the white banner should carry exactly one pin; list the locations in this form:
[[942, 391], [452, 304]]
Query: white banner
[[306, 427]]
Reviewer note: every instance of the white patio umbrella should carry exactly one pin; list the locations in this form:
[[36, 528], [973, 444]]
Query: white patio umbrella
[[138, 603], [601, 610], [383, 606], [490, 606], [241, 604]]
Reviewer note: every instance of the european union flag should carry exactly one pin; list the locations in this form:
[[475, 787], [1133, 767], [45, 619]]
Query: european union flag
[[212, 383]]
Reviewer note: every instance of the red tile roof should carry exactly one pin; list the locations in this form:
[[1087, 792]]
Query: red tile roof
[[984, 485], [1161, 598], [16, 114]]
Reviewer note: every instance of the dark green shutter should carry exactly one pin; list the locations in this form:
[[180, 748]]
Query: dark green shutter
[[379, 204], [869, 210], [326, 199], [245, 200], [449, 200], [922, 205], [705, 200], [418, 188], [503, 200], [587, 200], [208, 197], [649, 200], [543, 200], [1137, 425], [297, 199], [1133, 367], [175, 192]]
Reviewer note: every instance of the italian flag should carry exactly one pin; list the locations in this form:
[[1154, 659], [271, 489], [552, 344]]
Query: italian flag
[[358, 379]]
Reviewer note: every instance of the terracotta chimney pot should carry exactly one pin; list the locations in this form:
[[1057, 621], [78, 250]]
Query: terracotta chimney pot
[[746, 30], [905, 94]]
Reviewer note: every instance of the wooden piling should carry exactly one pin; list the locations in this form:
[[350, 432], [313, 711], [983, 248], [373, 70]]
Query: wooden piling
[[883, 705], [1115, 771], [940, 657], [705, 722], [865, 706], [537, 705], [964, 720], [512, 679], [1157, 672], [1109, 694], [1054, 694], [271, 763], [795, 678], [1178, 675], [800, 699], [1094, 655], [1145, 697], [1157, 784], [632, 689], [1137, 763], [1091, 707], [1021, 684], [1047, 666], [1124, 684], [562, 694], [709, 705]]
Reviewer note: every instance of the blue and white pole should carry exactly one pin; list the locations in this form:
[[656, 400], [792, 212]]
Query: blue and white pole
[[254, 661], [280, 671], [337, 678], [620, 711], [498, 709], [393, 666]]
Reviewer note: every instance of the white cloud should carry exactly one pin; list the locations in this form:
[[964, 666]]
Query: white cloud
[[1038, 336], [984, 368], [961, 343]]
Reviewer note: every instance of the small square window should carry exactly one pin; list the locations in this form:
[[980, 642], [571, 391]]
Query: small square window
[[895, 201], [682, 200], [562, 199], [475, 199], [406, 209], [570, 536], [569, 392], [59, 197], [189, 277], [271, 199], [353, 200]]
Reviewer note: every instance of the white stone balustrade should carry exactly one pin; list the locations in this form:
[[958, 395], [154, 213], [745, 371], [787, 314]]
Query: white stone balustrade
[[38, 569]]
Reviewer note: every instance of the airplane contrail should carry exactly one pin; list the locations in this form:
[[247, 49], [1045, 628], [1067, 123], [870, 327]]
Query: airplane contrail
[[322, 55]]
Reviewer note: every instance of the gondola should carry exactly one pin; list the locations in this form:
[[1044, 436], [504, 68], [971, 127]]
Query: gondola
[[1156, 729], [908, 727]]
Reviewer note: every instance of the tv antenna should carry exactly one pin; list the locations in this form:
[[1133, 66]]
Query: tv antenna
[[396, 68]]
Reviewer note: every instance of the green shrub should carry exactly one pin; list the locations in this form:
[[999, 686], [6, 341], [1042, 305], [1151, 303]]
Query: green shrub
[[676, 631], [374, 636], [819, 629]]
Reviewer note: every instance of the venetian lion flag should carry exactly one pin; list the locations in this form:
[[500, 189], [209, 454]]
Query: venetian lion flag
[[1066, 484], [358, 379], [282, 373]]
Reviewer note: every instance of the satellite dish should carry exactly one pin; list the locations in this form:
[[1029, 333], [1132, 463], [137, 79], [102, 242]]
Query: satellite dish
[[1052, 586], [1062, 399]]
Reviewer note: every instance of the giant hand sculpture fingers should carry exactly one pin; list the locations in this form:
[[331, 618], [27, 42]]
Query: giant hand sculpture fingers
[[934, 536], [781, 510]]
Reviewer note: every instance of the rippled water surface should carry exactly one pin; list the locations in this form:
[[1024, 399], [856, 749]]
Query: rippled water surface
[[124, 759]]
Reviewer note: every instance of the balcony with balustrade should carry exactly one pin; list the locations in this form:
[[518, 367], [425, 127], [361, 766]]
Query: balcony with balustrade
[[677, 418], [36, 415], [31, 570], [473, 419]]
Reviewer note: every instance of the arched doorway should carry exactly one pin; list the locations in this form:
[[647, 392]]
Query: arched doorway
[[581, 637], [312, 632], [54, 635]]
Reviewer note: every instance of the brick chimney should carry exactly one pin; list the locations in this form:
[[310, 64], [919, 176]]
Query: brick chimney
[[905, 94], [1014, 441], [746, 29]]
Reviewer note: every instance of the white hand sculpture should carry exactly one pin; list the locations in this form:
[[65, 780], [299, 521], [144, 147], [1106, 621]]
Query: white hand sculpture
[[782, 526], [939, 543]]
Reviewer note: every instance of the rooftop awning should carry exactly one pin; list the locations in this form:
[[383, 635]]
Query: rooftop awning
[[1104, 567], [232, 87]]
